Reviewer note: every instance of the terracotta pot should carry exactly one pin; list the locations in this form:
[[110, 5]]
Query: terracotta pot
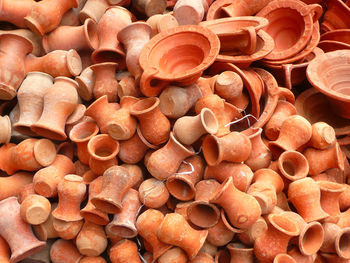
[[295, 254], [150, 7], [321, 160], [157, 74], [293, 165], [31, 100], [114, 19], [153, 193], [116, 183], [124, 251], [72, 37], [26, 191], [147, 225], [189, 12], [298, 14], [216, 150], [301, 130], [336, 16], [284, 258], [63, 93], [35, 209], [280, 230], [12, 185], [64, 251], [92, 240], [175, 230], [56, 63], [175, 254], [93, 9], [219, 235], [249, 236], [344, 199], [92, 260], [239, 253], [134, 37], [13, 49], [128, 87], [86, 81], [241, 174], [136, 173], [323, 136], [330, 193], [67, 230], [103, 151], [105, 80], [16, 232], [341, 35], [161, 22], [162, 168], [242, 209], [305, 191], [15, 11], [47, 179], [71, 17], [182, 184], [71, 192], [147, 112], [344, 219], [206, 84], [336, 240], [203, 257], [46, 230], [5, 126]]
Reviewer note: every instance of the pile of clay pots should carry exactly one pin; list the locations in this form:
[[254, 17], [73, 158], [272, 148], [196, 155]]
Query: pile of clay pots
[[174, 131]]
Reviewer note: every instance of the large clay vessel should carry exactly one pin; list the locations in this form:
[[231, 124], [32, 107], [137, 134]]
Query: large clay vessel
[[14, 11]]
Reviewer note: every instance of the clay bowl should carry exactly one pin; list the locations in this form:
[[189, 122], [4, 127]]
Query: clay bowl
[[332, 45], [337, 16], [330, 74], [341, 35], [314, 106]]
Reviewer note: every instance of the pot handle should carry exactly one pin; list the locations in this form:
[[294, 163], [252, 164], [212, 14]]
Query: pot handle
[[251, 45], [287, 70], [286, 94], [149, 85], [314, 10]]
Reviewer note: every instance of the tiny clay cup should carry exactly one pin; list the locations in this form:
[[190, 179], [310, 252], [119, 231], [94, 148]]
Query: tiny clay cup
[[91, 240], [174, 254], [249, 236], [124, 251], [15, 11], [64, 251], [153, 193], [190, 12], [161, 22], [162, 65], [93, 9], [31, 100], [35, 209], [60, 101], [46, 230], [16, 232], [336, 240], [330, 193], [150, 7], [5, 126], [323, 136], [240, 253], [86, 81], [219, 235], [293, 165]]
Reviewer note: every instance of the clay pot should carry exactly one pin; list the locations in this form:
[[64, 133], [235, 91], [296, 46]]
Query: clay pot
[[219, 235], [16, 232], [323, 136], [71, 192], [92, 260], [67, 230], [13, 51], [206, 85], [321, 160], [344, 219], [72, 37], [147, 226], [181, 185], [114, 19], [12, 185], [4, 251], [189, 129], [128, 87], [306, 191], [64, 251], [150, 7], [242, 209], [35, 209], [298, 14], [116, 183], [86, 81], [336, 240], [175, 254], [280, 230], [153, 193], [336, 16], [31, 100], [301, 130], [241, 174], [93, 9], [162, 168], [284, 258], [147, 112], [124, 251], [189, 12], [295, 254], [161, 22], [157, 74], [330, 193], [46, 230], [293, 165], [344, 199], [216, 150], [5, 126], [175, 230], [240, 253], [136, 173], [103, 151], [26, 191], [46, 16], [15, 11], [56, 63], [249, 236], [92, 240], [63, 93], [71, 17], [123, 224], [47, 179], [134, 37]]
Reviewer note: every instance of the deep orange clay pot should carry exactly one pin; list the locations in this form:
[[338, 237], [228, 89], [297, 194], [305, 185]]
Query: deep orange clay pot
[[242, 209], [337, 16], [189, 12], [64, 251], [91, 240], [15, 11], [249, 236], [92, 260], [293, 165], [154, 125], [233, 147], [46, 15], [72, 37], [240, 253], [16, 232], [162, 65], [161, 22], [218, 235], [35, 209], [116, 183], [86, 81], [150, 7], [60, 101], [31, 100], [161, 167], [5, 126], [147, 226], [124, 251], [110, 50], [46, 230], [275, 240], [336, 240], [123, 224], [103, 151], [182, 184], [12, 185], [175, 230], [153, 193], [304, 192], [323, 136], [47, 179], [67, 230], [93, 9], [56, 63], [175, 254], [13, 51]]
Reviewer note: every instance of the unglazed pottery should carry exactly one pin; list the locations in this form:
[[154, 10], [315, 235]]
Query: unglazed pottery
[[323, 136], [86, 81], [174, 254], [293, 165], [124, 251], [91, 240], [160, 57], [35, 209], [15, 11], [153, 193], [336, 240], [93, 9], [150, 7], [12, 185], [64, 251], [161, 22], [189, 12], [336, 17]]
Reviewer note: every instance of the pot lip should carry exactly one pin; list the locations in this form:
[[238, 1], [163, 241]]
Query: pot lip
[[285, 174], [125, 31], [188, 149], [128, 227], [92, 43], [302, 234], [228, 224], [183, 179], [290, 233], [217, 5], [243, 248], [218, 158], [343, 231], [335, 45], [103, 65], [330, 34], [324, 186], [85, 139], [206, 203], [213, 40], [143, 139], [154, 105], [74, 63], [112, 155], [208, 129], [312, 74]]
